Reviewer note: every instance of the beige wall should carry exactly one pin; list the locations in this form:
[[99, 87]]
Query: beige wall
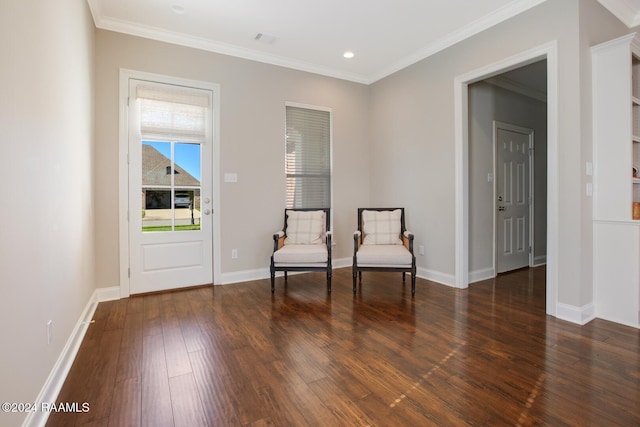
[[393, 145], [252, 112], [47, 228], [412, 124]]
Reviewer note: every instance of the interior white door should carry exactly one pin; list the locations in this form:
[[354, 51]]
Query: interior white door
[[170, 186], [512, 197]]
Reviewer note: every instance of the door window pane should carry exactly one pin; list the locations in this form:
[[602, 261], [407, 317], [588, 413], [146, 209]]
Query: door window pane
[[170, 186], [187, 185]]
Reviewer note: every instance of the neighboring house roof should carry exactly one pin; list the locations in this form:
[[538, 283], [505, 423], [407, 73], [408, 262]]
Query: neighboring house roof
[[154, 170]]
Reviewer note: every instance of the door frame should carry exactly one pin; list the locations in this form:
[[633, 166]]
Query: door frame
[[123, 168], [548, 51], [529, 132]]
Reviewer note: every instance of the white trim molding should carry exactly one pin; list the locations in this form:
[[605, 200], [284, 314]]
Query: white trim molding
[[548, 51], [436, 276], [482, 274], [539, 260], [511, 9], [517, 87], [625, 10], [504, 13], [58, 375], [123, 165], [580, 315], [243, 276]]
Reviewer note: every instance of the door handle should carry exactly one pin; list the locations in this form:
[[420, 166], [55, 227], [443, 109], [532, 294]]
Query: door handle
[[501, 208], [207, 211]]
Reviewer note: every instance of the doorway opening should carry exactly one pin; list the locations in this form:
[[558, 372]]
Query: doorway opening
[[507, 171], [467, 269]]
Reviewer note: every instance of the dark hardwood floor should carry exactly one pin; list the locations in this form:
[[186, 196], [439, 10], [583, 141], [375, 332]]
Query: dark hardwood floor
[[236, 355]]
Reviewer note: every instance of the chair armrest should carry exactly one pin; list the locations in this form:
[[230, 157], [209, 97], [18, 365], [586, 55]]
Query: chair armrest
[[356, 240], [278, 240], [407, 240]]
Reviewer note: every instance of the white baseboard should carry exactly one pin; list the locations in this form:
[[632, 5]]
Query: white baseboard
[[263, 273], [539, 260], [244, 276], [580, 315], [483, 274], [342, 262], [436, 276], [107, 294], [55, 381]]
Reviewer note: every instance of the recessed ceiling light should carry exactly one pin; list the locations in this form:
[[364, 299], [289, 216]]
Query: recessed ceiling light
[[348, 54], [179, 9]]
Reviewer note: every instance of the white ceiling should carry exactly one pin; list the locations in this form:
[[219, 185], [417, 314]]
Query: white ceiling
[[385, 35]]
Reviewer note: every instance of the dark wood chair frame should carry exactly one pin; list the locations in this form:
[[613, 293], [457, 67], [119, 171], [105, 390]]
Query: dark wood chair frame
[[278, 242], [407, 241]]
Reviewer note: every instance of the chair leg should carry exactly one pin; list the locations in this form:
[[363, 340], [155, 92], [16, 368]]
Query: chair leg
[[329, 281], [413, 283], [355, 278], [273, 281], [404, 274], [285, 276]]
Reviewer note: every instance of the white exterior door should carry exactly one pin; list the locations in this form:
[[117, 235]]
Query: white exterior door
[[170, 186], [513, 198]]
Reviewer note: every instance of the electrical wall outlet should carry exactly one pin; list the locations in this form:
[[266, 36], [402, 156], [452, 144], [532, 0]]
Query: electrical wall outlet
[[234, 254], [49, 331], [421, 250]]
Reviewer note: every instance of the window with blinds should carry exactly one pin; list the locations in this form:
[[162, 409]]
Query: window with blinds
[[308, 157]]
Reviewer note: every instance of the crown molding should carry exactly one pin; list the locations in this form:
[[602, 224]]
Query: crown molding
[[513, 86], [624, 10], [182, 39], [488, 21], [512, 9]]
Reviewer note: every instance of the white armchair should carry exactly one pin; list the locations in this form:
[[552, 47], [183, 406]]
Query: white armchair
[[304, 244], [382, 243]]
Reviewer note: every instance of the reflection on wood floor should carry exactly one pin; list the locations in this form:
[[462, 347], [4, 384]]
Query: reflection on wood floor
[[236, 355]]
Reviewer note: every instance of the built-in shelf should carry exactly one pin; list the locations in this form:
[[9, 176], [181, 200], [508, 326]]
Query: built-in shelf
[[616, 227]]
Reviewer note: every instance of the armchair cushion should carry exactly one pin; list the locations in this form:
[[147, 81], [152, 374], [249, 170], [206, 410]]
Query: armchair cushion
[[384, 256], [305, 228], [292, 255], [381, 227]]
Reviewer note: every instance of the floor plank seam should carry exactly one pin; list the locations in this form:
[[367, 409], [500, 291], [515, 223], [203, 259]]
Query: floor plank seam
[[530, 401], [424, 377]]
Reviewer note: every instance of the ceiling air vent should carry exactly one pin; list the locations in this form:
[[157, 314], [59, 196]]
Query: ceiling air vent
[[265, 38]]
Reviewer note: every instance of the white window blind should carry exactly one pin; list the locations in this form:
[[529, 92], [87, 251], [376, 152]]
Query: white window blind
[[308, 158], [173, 113]]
